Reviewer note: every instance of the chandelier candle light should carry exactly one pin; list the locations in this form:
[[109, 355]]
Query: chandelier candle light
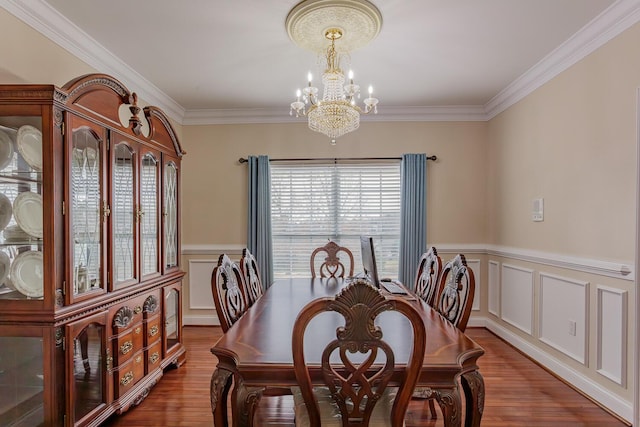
[[337, 113]]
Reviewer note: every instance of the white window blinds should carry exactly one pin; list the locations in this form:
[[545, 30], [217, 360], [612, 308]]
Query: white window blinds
[[311, 203]]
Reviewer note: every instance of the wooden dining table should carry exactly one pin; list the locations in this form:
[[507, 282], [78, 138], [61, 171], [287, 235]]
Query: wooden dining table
[[255, 353]]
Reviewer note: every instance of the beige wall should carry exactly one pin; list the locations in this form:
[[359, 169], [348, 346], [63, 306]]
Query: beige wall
[[29, 57], [573, 142], [214, 184]]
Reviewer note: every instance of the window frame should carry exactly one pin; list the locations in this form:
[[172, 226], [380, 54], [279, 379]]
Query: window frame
[[308, 181]]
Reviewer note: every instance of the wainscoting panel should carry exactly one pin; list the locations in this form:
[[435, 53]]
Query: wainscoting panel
[[564, 323], [200, 297], [612, 333], [516, 305], [493, 274], [474, 265]]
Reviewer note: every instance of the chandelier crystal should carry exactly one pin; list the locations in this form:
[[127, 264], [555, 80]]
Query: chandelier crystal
[[337, 112]]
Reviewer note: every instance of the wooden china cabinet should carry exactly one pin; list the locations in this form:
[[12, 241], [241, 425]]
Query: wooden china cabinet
[[90, 280]]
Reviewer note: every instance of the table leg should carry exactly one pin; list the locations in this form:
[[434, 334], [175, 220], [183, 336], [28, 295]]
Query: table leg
[[219, 390], [473, 386], [451, 406], [245, 403]]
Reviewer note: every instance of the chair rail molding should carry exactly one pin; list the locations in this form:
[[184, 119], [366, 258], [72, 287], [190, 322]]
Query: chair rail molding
[[624, 270], [619, 270], [211, 249]]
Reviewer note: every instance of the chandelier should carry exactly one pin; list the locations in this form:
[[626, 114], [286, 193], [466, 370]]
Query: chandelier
[[354, 22]]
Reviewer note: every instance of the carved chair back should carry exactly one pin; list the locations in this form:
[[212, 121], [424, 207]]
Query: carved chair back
[[251, 275], [332, 266], [428, 276], [355, 383], [457, 288], [228, 293]]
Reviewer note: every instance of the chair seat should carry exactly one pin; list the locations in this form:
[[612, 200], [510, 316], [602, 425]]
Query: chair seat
[[330, 414], [422, 393]]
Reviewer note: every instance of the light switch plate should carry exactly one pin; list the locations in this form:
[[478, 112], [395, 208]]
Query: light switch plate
[[537, 213]]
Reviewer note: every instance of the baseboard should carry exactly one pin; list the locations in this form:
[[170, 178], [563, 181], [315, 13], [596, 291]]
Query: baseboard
[[200, 320], [610, 402]]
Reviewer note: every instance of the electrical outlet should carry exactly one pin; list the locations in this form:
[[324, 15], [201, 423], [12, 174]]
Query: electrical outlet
[[572, 328]]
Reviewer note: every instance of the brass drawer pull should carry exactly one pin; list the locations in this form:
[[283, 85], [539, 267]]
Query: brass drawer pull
[[127, 378], [126, 347], [154, 357], [137, 309], [109, 359], [138, 330], [153, 331]]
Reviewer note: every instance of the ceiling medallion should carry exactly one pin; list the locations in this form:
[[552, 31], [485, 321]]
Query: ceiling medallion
[[347, 25], [359, 22]]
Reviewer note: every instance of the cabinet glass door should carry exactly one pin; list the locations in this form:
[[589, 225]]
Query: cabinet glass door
[[21, 379], [89, 209], [88, 361], [171, 317], [123, 215], [21, 208], [171, 215], [149, 187]]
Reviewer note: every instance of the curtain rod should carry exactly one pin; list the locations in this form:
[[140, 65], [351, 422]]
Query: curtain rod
[[335, 159]]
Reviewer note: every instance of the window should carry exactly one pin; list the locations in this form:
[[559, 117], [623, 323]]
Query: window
[[311, 203]]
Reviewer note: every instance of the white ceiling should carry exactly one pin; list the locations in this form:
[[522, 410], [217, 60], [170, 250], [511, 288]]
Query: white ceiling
[[209, 60]]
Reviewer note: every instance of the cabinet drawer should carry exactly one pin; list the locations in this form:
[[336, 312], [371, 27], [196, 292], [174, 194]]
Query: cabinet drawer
[[128, 374], [154, 356], [125, 315], [127, 343], [153, 330], [151, 304]]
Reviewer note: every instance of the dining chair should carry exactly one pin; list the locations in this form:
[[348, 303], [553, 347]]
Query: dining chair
[[428, 276], [457, 289], [426, 287], [332, 266], [454, 301], [355, 390], [228, 293], [253, 290], [252, 281]]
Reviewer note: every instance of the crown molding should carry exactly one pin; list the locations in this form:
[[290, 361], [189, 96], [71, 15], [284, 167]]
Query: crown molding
[[445, 113], [43, 18], [49, 22], [611, 22], [387, 114], [238, 116]]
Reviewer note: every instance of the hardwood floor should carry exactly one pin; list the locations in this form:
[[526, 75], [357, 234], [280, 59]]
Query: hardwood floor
[[518, 393]]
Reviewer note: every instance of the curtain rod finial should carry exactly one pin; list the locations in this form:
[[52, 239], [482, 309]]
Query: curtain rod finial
[[242, 160]]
